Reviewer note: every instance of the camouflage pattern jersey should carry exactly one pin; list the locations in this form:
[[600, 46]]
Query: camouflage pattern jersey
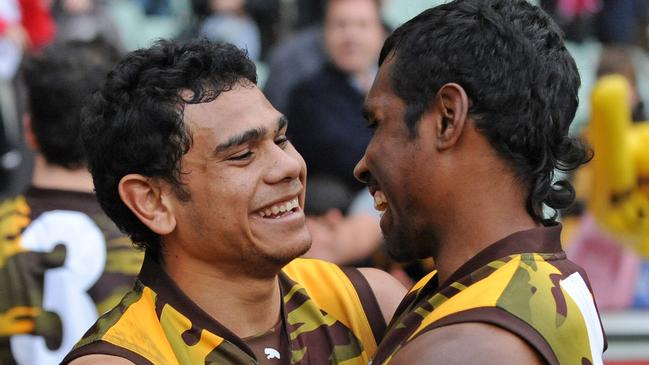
[[329, 316], [538, 295], [62, 264]]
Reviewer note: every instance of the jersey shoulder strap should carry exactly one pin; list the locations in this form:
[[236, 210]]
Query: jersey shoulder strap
[[343, 293]]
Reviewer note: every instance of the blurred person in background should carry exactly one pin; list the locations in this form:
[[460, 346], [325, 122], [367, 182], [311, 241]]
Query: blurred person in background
[[25, 25], [576, 18], [327, 127], [299, 56], [266, 14], [85, 20], [36, 18], [292, 61], [623, 22], [248, 24], [230, 22], [609, 21], [62, 261]]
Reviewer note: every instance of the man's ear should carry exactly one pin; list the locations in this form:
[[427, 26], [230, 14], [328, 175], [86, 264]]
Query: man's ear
[[149, 200], [451, 110], [28, 132]]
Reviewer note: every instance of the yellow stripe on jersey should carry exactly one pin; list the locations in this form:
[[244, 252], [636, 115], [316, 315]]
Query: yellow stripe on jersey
[[321, 280], [174, 325], [423, 281], [139, 331], [484, 293]]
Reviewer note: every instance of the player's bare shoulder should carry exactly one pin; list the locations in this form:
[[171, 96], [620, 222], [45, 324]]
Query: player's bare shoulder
[[387, 290], [467, 343], [101, 360]]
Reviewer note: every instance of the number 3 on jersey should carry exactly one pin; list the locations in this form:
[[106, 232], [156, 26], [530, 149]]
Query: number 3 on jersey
[[65, 287]]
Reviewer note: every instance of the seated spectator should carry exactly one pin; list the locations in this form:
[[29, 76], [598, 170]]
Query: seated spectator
[[62, 261], [325, 110]]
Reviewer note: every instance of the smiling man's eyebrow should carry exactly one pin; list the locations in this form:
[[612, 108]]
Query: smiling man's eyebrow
[[248, 136], [251, 135]]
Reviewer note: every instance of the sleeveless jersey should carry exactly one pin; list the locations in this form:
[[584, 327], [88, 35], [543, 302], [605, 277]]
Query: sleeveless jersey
[[538, 295], [329, 315], [62, 264]]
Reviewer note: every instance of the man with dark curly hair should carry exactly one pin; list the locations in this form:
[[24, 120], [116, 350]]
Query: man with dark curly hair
[[190, 159], [470, 111]]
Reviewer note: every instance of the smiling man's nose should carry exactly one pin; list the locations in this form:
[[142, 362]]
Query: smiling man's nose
[[360, 171], [287, 165]]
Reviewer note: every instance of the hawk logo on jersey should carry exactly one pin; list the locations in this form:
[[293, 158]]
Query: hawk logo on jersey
[[271, 353]]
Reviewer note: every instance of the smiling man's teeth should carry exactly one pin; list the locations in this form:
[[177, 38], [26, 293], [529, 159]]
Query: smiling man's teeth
[[279, 208], [380, 201]]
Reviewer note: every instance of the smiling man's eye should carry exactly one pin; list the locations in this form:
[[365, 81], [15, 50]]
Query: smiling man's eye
[[241, 156], [281, 141]]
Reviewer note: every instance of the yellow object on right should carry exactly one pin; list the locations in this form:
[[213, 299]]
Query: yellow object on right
[[620, 195]]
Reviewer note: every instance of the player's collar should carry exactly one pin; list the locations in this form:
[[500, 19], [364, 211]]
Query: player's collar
[[154, 276], [536, 240]]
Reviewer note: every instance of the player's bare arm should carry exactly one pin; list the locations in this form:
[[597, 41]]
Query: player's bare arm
[[467, 343], [387, 290], [101, 360]]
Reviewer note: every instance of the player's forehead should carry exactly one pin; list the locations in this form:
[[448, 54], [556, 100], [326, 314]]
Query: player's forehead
[[381, 95], [242, 108]]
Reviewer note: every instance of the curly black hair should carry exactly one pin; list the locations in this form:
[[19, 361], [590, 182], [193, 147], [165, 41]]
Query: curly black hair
[[510, 58], [135, 123], [58, 81]]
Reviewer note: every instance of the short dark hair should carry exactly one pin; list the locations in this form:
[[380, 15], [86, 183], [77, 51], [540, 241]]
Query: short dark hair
[[510, 58], [58, 80], [134, 124]]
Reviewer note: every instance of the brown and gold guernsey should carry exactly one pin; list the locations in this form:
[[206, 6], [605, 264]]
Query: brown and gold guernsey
[[328, 316], [62, 264], [538, 295]]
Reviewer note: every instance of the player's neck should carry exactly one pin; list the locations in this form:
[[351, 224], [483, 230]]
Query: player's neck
[[483, 218], [49, 176], [246, 306]]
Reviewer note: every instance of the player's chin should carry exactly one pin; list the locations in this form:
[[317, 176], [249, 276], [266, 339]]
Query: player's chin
[[399, 244], [282, 249], [398, 251]]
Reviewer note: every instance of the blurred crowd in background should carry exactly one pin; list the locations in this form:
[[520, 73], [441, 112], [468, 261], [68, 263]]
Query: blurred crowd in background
[[317, 59]]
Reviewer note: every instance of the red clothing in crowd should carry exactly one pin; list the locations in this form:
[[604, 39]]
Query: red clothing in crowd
[[38, 22]]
